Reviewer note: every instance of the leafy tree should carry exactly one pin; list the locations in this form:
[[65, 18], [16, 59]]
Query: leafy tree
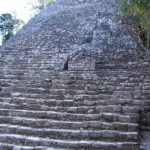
[[139, 11], [9, 25], [6, 26]]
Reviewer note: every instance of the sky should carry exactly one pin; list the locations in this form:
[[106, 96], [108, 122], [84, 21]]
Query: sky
[[22, 8]]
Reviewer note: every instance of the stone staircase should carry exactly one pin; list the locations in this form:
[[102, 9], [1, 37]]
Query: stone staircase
[[74, 79], [71, 110]]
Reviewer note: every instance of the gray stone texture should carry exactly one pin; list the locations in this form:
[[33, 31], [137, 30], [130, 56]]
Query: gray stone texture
[[76, 77]]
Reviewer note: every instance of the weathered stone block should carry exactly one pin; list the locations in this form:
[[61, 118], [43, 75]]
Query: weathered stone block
[[80, 62]]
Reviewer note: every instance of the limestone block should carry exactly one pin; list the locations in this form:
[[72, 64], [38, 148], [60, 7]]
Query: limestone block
[[82, 63]]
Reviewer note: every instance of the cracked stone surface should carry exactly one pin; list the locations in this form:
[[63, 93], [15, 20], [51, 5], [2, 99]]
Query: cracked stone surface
[[76, 77], [145, 142], [70, 27]]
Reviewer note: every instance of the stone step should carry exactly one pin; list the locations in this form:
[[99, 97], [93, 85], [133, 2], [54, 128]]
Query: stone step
[[99, 84], [106, 117], [70, 102], [31, 101], [78, 85], [6, 146], [32, 90], [48, 88], [37, 96], [76, 94], [122, 102], [69, 144], [105, 135], [64, 95], [95, 83], [65, 88], [90, 76], [89, 85], [80, 109], [55, 124]]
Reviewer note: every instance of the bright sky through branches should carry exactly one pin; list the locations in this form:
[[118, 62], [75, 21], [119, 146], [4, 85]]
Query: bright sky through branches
[[20, 7]]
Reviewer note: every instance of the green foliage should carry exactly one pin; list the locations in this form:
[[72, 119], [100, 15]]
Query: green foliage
[[6, 26], [139, 12], [9, 25]]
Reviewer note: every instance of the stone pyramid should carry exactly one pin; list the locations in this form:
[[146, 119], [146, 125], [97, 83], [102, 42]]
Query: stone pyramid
[[76, 77]]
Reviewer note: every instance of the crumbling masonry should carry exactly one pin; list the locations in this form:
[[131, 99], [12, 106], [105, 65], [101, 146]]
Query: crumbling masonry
[[76, 77]]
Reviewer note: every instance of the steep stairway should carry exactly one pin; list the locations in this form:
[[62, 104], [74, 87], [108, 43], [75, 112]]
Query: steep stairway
[[74, 78], [71, 110]]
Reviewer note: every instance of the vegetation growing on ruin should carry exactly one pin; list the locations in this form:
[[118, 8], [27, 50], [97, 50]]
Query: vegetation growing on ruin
[[139, 12]]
